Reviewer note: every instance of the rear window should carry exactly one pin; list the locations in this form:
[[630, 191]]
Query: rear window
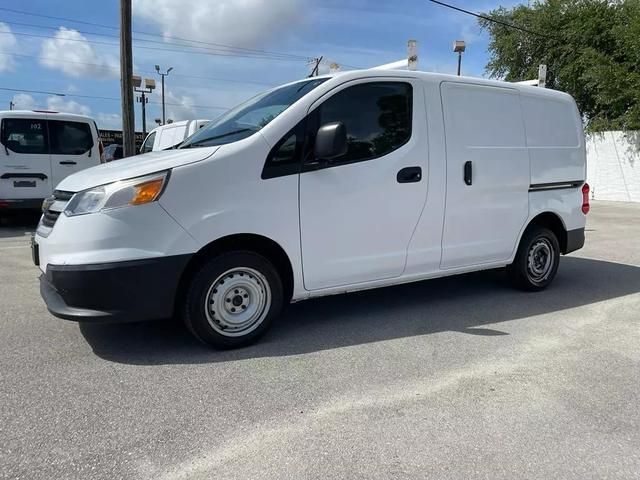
[[22, 135], [69, 138]]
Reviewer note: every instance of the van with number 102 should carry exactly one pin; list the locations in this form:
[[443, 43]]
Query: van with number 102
[[40, 149]]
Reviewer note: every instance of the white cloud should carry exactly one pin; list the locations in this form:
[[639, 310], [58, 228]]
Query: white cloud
[[179, 107], [70, 52], [59, 104], [8, 45], [244, 23], [109, 121], [24, 101]]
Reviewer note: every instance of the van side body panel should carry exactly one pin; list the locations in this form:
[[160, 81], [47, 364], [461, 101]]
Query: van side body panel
[[209, 209], [554, 137]]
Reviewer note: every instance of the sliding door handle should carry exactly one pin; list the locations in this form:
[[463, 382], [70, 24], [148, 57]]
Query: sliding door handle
[[67, 162], [468, 173]]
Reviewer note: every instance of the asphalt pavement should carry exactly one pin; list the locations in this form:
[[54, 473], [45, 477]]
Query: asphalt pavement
[[455, 378]]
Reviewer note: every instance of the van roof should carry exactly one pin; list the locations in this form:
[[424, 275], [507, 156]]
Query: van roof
[[433, 77], [44, 114]]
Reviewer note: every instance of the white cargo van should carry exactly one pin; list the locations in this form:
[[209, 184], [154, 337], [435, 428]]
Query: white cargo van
[[38, 150], [323, 186], [170, 135]]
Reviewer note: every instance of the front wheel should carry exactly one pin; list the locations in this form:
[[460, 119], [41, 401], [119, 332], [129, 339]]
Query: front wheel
[[233, 299], [537, 259]]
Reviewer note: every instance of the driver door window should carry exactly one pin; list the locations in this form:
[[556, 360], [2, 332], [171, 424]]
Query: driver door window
[[377, 117]]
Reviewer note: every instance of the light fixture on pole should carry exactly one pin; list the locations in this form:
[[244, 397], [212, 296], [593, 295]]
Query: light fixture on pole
[[149, 86], [459, 47], [163, 75]]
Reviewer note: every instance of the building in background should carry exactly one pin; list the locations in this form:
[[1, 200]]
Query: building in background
[[110, 137]]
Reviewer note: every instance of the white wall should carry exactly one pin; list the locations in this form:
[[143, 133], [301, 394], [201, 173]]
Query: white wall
[[613, 165]]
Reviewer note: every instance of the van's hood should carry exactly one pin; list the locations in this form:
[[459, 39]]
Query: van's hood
[[133, 167]]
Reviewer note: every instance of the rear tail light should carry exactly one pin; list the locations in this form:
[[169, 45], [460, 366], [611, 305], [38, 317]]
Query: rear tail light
[[585, 198]]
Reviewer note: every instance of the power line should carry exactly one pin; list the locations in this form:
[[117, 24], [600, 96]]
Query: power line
[[76, 95], [110, 44], [206, 49], [495, 20], [110, 27], [107, 67]]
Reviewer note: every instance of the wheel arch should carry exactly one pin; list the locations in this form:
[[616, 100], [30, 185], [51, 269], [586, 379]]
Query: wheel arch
[[553, 222], [240, 241]]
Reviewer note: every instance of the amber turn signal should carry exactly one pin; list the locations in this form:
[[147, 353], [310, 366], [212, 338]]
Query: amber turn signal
[[147, 192]]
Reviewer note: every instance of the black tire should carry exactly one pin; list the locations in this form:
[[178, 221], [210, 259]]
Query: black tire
[[199, 314], [529, 270]]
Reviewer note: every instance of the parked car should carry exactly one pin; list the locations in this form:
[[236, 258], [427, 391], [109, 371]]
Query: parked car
[[171, 134], [40, 149], [113, 152], [327, 185]]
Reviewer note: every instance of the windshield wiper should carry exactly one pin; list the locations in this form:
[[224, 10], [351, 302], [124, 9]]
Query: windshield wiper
[[205, 142]]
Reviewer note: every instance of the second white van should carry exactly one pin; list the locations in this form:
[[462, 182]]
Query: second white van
[[327, 185], [169, 135], [38, 150]]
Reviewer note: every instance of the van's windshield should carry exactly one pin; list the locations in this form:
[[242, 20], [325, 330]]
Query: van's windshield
[[250, 116]]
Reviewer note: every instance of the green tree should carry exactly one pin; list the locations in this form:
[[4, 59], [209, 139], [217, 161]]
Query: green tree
[[591, 49]]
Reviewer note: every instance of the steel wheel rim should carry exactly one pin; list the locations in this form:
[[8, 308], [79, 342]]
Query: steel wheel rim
[[540, 260], [238, 301]]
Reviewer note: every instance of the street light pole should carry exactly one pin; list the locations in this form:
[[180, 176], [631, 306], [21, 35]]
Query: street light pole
[[164, 118], [149, 86], [459, 47]]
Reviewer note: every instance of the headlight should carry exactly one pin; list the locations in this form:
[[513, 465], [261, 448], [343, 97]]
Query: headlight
[[135, 191]]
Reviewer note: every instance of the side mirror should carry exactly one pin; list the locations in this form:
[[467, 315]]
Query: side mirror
[[331, 141]]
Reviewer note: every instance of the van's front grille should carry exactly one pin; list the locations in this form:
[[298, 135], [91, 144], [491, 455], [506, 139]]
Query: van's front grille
[[49, 218], [54, 206]]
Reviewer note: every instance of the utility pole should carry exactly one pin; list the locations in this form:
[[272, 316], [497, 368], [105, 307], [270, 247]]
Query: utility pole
[[126, 80], [164, 118], [11, 105]]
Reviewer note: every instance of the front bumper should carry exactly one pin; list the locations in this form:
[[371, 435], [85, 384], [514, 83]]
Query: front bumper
[[113, 292]]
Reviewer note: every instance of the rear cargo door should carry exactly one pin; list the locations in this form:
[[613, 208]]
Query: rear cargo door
[[25, 166], [487, 200], [72, 148]]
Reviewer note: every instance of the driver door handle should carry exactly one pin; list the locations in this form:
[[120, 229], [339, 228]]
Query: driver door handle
[[409, 175]]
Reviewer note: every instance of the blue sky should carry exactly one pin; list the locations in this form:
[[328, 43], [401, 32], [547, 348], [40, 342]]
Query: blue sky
[[81, 60]]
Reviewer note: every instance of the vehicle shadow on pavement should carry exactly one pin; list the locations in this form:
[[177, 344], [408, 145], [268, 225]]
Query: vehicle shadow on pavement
[[18, 224], [461, 303]]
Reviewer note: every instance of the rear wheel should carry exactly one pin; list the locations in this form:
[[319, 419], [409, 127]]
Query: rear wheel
[[537, 259], [233, 299]]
